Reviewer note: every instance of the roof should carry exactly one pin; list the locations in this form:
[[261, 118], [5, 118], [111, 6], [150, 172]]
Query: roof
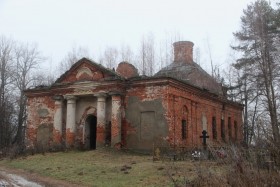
[[110, 72], [193, 74]]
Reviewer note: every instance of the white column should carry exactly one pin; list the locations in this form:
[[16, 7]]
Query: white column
[[101, 119], [70, 120], [57, 124], [116, 120]]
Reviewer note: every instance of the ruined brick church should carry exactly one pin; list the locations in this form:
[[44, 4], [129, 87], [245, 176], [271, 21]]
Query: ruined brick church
[[91, 106]]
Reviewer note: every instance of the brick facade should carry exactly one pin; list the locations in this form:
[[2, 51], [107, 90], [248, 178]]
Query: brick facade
[[90, 106]]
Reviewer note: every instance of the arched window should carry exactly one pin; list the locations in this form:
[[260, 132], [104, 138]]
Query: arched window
[[185, 112]]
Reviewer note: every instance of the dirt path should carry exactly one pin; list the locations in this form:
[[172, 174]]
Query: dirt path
[[10, 179], [20, 178]]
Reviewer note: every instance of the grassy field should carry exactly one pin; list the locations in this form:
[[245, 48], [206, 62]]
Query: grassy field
[[105, 167]]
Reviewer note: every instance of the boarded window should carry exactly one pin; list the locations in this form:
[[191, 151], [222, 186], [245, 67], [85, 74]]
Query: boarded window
[[184, 129], [229, 129], [223, 134], [147, 125], [214, 128]]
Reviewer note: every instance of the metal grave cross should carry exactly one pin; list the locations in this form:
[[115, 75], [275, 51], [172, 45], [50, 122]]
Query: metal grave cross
[[204, 136]]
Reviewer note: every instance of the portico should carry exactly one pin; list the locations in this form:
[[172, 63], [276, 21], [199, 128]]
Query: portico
[[104, 106]]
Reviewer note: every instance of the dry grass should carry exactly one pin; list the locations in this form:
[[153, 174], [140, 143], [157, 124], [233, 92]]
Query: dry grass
[[105, 167], [102, 167]]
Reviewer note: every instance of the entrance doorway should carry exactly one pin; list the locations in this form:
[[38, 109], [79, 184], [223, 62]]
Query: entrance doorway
[[91, 122]]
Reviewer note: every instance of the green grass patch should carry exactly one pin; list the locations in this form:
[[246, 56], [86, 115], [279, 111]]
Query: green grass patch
[[106, 167], [102, 167]]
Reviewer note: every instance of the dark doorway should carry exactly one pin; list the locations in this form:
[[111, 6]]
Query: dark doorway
[[91, 122]]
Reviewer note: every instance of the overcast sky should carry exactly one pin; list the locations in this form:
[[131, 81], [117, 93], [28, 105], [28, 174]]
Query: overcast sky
[[58, 25]]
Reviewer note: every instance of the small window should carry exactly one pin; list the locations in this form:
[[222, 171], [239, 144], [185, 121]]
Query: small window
[[235, 130], [229, 129], [214, 128], [223, 134], [184, 129]]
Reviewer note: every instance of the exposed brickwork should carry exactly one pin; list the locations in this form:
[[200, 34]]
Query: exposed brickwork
[[196, 106], [76, 75], [127, 70], [100, 135], [57, 137], [40, 111], [185, 104], [70, 138], [72, 76], [183, 51], [135, 112]]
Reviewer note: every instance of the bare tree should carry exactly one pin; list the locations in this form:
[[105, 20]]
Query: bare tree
[[166, 50], [6, 106], [210, 56], [142, 57], [72, 57], [147, 55], [27, 59], [110, 57], [40, 78], [126, 54]]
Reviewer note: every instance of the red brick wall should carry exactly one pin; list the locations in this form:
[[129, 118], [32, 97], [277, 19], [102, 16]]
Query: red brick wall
[[197, 105], [40, 110], [177, 102], [188, 104]]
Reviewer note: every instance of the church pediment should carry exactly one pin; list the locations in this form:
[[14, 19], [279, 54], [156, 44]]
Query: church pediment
[[86, 70]]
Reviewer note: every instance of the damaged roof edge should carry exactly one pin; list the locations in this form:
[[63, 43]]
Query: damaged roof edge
[[203, 91], [92, 63]]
